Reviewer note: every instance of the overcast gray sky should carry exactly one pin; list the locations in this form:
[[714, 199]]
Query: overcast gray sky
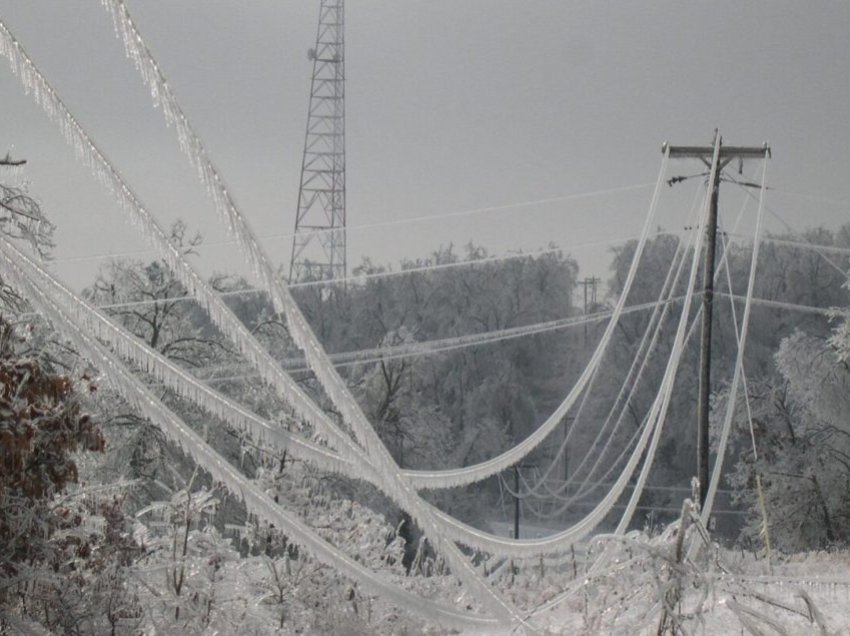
[[451, 105]]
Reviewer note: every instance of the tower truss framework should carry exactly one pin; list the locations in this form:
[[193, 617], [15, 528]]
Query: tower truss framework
[[318, 244]]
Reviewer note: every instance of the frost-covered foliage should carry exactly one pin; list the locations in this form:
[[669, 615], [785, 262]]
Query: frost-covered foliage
[[302, 593], [193, 578], [151, 303], [21, 219], [680, 582], [190, 578], [62, 555], [416, 433], [20, 214], [803, 440], [840, 339]]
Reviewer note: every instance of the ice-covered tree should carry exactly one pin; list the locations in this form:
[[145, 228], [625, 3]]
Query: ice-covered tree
[[802, 439]]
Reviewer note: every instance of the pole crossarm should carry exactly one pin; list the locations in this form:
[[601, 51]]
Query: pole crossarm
[[726, 152]]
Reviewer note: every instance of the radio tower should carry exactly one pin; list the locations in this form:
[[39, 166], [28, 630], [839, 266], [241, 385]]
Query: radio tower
[[318, 245]]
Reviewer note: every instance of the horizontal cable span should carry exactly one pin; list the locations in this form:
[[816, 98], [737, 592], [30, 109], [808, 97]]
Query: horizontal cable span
[[390, 222]]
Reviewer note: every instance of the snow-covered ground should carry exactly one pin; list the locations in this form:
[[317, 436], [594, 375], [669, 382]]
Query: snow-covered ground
[[724, 592]]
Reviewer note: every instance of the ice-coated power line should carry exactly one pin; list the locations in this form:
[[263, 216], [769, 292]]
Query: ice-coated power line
[[105, 172], [404, 271], [390, 222], [257, 501], [644, 350], [460, 476], [360, 278], [658, 412], [54, 294], [300, 331], [395, 484]]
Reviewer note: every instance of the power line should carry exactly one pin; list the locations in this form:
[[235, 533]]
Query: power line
[[387, 223], [778, 304], [817, 247], [360, 278], [441, 345], [812, 197], [445, 345]]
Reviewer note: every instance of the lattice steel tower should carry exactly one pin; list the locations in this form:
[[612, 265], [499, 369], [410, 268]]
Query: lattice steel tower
[[318, 245]]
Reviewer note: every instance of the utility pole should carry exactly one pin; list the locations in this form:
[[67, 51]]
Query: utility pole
[[565, 456], [517, 468], [516, 502], [716, 157], [590, 282]]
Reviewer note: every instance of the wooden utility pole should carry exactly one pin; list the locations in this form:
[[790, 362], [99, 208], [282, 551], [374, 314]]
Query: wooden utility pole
[[592, 282], [589, 282], [516, 502], [517, 468], [716, 157]]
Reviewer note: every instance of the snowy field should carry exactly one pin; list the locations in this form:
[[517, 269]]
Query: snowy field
[[718, 591]]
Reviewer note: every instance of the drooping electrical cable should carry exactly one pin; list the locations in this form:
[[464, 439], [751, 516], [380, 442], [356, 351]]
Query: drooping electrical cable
[[632, 379], [655, 424], [53, 294], [300, 331], [258, 502], [171, 375], [645, 349], [90, 147], [656, 414], [582, 491], [88, 153], [724, 261], [630, 384], [765, 527]]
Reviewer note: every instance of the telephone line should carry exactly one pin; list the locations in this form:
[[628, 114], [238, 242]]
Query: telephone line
[[444, 345], [388, 223], [388, 274]]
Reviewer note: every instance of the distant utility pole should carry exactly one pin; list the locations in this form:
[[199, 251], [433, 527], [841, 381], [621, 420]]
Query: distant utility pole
[[589, 283], [716, 157], [517, 468], [516, 502], [565, 458], [318, 245]]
